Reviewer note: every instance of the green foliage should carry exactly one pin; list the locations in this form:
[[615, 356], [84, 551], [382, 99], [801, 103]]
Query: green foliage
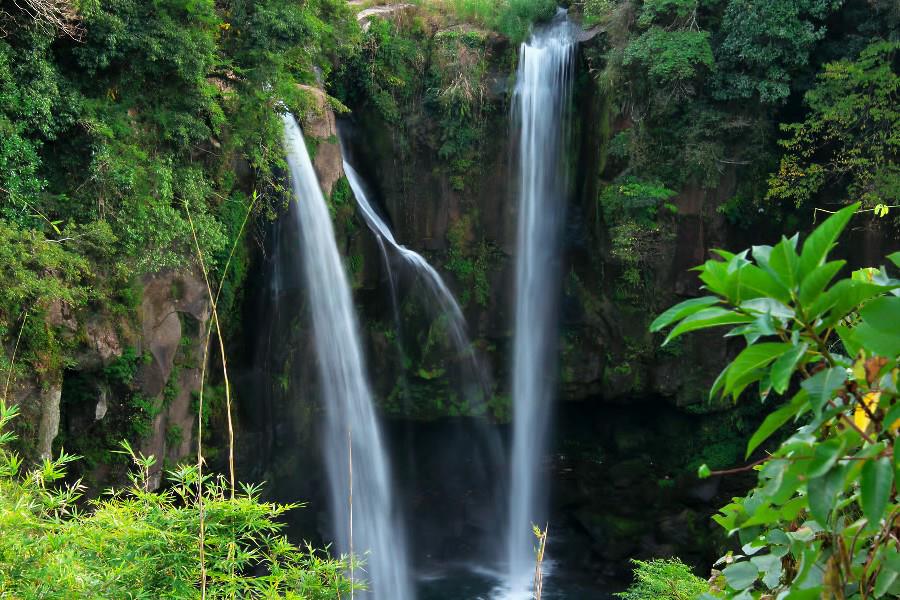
[[511, 18], [470, 262], [833, 149], [821, 520], [107, 142], [664, 579], [633, 210], [671, 57], [133, 543], [765, 43]]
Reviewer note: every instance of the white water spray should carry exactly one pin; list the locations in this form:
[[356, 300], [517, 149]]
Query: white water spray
[[348, 401], [541, 103]]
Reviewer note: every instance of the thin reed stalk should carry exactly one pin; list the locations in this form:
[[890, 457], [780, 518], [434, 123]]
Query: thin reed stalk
[[539, 561], [12, 362], [214, 300]]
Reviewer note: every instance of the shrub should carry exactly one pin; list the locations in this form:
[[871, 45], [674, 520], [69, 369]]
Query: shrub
[[134, 543], [822, 520], [663, 579]]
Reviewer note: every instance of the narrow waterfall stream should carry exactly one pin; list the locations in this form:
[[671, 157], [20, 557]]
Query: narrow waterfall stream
[[540, 107], [349, 409], [474, 379]]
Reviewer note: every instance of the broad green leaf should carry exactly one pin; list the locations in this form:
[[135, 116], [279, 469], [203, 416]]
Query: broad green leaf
[[768, 306], [756, 283], [875, 488], [718, 383], [890, 572], [784, 263], [770, 567], [894, 257], [709, 317], [825, 455], [822, 385], [703, 471], [880, 330], [815, 282], [774, 421], [682, 310], [783, 368], [842, 298], [820, 242], [822, 493], [750, 360], [741, 575]]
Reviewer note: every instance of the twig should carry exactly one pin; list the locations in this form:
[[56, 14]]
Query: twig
[[12, 362]]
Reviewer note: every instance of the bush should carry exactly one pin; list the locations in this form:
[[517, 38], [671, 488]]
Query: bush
[[134, 543], [663, 579], [822, 520]]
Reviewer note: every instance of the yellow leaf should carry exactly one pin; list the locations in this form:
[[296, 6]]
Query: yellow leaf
[[860, 416]]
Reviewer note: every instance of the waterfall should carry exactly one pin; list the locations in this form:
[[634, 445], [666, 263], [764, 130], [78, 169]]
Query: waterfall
[[540, 107], [438, 290], [350, 414]]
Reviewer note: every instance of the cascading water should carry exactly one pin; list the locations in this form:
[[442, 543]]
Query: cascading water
[[541, 104], [439, 291], [350, 413]]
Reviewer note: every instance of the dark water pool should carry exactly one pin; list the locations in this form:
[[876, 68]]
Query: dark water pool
[[481, 584]]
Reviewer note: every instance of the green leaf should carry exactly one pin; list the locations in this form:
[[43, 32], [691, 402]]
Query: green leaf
[[750, 360], [784, 367], [889, 578], [825, 456], [822, 239], [843, 297], [774, 421], [741, 575], [822, 493], [880, 330], [815, 282], [756, 283], [682, 310], [822, 385], [894, 257], [784, 262], [710, 317], [875, 488], [770, 567], [703, 471]]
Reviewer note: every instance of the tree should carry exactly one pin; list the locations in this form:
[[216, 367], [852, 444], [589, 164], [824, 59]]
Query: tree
[[764, 43], [824, 518], [850, 139]]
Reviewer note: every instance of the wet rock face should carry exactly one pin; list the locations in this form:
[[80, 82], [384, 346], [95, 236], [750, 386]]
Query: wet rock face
[[175, 313], [319, 126], [467, 230]]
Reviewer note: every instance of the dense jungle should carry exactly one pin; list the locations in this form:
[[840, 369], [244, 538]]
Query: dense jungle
[[450, 299]]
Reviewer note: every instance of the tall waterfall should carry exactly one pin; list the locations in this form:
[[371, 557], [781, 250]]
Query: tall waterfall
[[439, 291], [350, 413], [541, 104]]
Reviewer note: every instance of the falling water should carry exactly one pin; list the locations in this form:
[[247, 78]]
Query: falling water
[[442, 296], [348, 400], [543, 89]]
